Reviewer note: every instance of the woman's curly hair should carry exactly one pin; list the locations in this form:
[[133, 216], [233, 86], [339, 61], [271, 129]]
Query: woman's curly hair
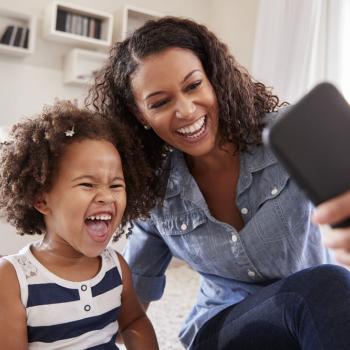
[[30, 157], [242, 102]]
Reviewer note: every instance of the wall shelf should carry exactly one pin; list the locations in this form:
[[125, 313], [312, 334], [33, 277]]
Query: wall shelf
[[129, 18], [77, 25], [17, 33], [80, 66]]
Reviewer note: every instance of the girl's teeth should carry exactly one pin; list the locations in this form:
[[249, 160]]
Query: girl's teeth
[[100, 217]]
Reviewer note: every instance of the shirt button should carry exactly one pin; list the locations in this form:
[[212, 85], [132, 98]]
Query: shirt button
[[183, 227], [244, 211], [251, 273], [274, 191], [234, 238], [83, 287], [87, 307]]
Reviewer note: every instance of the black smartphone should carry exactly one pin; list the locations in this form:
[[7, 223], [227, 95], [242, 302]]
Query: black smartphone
[[311, 140]]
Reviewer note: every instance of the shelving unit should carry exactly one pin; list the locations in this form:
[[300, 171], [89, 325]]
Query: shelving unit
[[81, 65], [77, 25], [18, 30], [129, 18]]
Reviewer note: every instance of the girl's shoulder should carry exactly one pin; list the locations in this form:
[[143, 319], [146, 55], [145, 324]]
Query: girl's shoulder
[[7, 270], [112, 259], [9, 281]]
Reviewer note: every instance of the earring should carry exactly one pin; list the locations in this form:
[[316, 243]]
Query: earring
[[147, 127]]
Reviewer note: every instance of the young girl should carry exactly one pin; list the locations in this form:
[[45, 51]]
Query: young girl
[[61, 176]]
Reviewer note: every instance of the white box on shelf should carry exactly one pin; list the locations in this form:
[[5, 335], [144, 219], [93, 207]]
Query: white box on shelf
[[129, 18], [80, 66], [17, 33], [77, 25]]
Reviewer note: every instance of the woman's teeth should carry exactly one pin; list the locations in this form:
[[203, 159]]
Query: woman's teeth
[[193, 130]]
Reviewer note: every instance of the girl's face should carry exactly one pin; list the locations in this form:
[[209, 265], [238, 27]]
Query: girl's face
[[175, 98], [87, 200]]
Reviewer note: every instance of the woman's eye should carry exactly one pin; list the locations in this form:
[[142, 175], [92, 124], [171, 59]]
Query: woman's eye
[[194, 85], [159, 104]]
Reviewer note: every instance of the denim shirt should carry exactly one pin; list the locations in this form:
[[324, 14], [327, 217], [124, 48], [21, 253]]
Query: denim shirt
[[277, 239]]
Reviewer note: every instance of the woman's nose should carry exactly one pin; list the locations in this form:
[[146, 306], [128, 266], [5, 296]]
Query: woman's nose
[[185, 108]]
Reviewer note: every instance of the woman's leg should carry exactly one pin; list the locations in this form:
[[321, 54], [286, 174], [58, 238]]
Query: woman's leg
[[308, 310]]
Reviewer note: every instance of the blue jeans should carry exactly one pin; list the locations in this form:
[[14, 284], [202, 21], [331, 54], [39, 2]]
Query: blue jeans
[[307, 310]]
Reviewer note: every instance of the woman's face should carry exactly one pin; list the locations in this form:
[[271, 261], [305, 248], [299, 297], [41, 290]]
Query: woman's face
[[175, 98]]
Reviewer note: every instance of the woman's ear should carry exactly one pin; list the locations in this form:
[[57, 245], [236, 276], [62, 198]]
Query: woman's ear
[[140, 118], [41, 206]]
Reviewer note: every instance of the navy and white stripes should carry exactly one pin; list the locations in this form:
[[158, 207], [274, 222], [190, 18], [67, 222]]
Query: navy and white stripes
[[69, 315]]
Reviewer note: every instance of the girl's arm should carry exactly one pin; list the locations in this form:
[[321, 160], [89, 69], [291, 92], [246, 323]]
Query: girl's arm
[[135, 327], [13, 318]]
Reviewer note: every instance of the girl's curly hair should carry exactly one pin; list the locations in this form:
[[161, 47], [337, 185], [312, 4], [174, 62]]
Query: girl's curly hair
[[242, 101], [29, 160]]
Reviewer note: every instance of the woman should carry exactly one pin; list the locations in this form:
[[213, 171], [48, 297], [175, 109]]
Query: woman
[[221, 201]]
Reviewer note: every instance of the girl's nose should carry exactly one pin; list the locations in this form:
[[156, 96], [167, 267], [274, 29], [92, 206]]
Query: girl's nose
[[104, 195]]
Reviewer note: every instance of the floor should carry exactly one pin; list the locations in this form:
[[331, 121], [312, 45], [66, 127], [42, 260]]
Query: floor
[[168, 313]]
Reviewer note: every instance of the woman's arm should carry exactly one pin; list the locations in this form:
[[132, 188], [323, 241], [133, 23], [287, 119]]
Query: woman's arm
[[135, 327], [13, 318], [331, 212]]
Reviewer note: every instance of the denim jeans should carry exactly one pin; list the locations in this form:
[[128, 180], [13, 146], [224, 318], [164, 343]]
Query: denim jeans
[[308, 310]]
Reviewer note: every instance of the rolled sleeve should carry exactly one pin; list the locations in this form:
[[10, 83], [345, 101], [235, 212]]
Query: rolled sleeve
[[148, 257], [148, 288]]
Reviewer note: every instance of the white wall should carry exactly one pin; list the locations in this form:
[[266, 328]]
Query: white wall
[[28, 83], [234, 22]]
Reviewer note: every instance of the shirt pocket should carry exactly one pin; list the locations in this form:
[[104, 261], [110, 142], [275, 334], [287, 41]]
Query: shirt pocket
[[185, 234], [270, 219]]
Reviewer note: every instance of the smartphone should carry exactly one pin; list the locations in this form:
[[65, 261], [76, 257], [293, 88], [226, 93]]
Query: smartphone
[[311, 139]]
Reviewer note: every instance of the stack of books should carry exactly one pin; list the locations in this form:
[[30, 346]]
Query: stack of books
[[78, 24], [15, 36]]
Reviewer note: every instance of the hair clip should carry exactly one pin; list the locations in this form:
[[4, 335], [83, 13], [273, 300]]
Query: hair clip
[[70, 132]]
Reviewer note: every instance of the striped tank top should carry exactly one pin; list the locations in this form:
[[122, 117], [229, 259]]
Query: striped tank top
[[69, 315]]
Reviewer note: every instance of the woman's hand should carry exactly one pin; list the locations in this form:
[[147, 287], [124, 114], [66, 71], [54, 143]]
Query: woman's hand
[[338, 239]]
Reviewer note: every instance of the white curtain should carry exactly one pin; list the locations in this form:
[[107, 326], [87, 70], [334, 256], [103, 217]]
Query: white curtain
[[299, 43]]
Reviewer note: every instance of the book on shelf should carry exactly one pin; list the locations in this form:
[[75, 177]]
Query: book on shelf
[[8, 37], [61, 20], [91, 28], [98, 29], [24, 38], [78, 24], [18, 36], [15, 36], [68, 24], [85, 31]]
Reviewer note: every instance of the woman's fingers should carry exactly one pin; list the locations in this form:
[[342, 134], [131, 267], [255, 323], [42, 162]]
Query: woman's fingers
[[333, 211]]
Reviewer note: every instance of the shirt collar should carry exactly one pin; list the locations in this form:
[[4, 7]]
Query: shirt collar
[[255, 159]]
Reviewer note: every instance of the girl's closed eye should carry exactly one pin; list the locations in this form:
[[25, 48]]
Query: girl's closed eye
[[117, 186], [86, 185]]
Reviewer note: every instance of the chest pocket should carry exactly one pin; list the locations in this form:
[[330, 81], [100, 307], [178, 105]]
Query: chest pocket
[[271, 201], [185, 234]]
